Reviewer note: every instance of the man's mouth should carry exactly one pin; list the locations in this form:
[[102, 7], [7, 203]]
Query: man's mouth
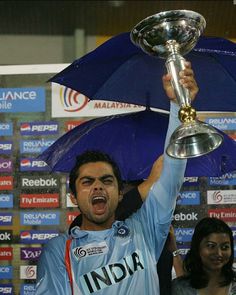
[[99, 204]]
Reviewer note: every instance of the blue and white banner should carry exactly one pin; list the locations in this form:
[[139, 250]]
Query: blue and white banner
[[39, 218], [6, 200], [222, 123], [39, 128], [17, 100], [6, 129]]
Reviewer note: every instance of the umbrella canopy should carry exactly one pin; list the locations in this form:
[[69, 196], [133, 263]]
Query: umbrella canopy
[[134, 141], [119, 71]]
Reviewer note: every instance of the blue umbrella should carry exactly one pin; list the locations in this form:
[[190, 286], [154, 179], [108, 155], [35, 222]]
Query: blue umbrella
[[119, 71], [134, 140]]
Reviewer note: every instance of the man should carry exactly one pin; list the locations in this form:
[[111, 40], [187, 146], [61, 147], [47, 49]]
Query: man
[[132, 200], [105, 256]]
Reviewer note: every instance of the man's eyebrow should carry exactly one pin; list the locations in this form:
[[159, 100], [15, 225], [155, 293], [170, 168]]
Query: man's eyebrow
[[105, 176], [86, 177]]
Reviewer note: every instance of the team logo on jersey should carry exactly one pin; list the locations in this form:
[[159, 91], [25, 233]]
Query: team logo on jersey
[[122, 231], [90, 250]]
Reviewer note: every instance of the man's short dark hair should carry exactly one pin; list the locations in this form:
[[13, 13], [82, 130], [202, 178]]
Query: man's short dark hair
[[93, 156]]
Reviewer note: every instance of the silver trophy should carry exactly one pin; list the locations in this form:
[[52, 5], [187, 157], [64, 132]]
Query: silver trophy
[[170, 35]]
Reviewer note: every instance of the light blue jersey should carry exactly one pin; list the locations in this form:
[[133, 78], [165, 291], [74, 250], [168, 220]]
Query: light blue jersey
[[121, 260]]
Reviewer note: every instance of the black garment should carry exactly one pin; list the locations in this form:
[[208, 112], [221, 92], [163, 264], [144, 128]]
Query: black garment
[[130, 203]]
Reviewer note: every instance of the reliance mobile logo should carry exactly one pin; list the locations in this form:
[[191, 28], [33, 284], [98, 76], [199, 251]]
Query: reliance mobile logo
[[189, 198], [5, 147], [226, 123], [35, 146], [22, 100], [71, 100], [39, 128], [31, 164], [226, 179], [37, 236], [6, 200], [6, 129], [39, 218], [27, 289], [184, 234]]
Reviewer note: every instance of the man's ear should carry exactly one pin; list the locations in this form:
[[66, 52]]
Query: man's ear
[[73, 199], [120, 196]]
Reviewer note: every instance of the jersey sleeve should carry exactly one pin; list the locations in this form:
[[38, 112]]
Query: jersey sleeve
[[156, 213], [52, 276]]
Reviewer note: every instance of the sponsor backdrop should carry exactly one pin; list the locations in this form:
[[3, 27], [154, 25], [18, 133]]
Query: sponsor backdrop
[[35, 204]]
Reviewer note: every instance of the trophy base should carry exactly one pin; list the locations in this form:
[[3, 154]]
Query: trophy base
[[193, 139]]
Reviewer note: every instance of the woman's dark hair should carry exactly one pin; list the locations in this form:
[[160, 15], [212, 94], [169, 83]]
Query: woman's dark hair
[[192, 262], [92, 157]]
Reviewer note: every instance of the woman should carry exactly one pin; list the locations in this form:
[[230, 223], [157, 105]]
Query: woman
[[208, 264]]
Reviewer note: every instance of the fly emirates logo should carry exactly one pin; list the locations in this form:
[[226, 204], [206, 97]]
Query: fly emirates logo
[[113, 273]]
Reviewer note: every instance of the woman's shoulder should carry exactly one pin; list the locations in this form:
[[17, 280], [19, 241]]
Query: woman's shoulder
[[181, 286]]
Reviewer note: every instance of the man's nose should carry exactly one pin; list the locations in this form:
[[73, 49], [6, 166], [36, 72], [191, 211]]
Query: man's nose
[[98, 185]]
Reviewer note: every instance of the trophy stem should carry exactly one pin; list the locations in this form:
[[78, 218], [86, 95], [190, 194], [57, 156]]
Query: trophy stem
[[175, 64]]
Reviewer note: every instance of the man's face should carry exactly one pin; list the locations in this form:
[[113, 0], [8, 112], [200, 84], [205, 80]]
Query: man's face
[[97, 195]]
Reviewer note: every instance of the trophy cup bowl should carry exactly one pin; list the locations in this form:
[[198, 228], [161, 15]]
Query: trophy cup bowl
[[170, 35]]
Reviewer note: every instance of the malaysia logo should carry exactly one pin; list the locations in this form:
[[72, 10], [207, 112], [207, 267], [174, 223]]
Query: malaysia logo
[[217, 197], [71, 100], [28, 272]]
